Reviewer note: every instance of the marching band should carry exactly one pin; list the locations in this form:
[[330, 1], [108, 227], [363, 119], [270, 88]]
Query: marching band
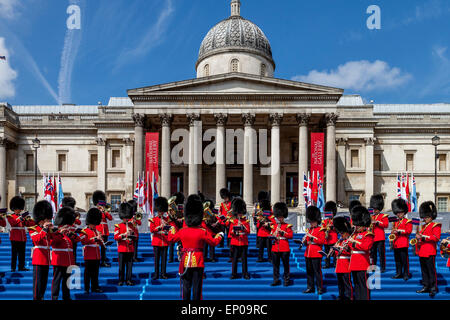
[[354, 241]]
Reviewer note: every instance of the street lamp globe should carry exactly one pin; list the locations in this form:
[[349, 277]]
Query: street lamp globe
[[436, 141], [36, 143]]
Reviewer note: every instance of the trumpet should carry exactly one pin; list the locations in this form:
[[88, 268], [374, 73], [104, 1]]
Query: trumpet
[[392, 237], [138, 216], [445, 251]]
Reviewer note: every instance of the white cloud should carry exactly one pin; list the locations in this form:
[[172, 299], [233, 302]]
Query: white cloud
[[8, 8], [7, 74], [358, 75]]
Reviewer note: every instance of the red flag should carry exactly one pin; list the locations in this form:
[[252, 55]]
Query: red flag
[[315, 189], [408, 198]]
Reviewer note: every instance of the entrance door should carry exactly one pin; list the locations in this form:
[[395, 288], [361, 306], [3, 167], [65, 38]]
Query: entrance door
[[176, 182], [292, 189], [235, 185]]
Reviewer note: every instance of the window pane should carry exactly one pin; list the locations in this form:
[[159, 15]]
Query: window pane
[[115, 159], [353, 197], [207, 70], [115, 201], [442, 162], [29, 203], [263, 70], [62, 163], [234, 65], [355, 159], [94, 162], [29, 166], [442, 204]]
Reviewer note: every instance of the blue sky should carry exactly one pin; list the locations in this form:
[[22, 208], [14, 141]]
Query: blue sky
[[124, 44]]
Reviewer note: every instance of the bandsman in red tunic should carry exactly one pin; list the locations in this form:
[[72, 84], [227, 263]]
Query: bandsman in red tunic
[[281, 233], [264, 227], [214, 226], [62, 251], [18, 222], [92, 241], [330, 234], [71, 202], [3, 212], [225, 215], [427, 239], [193, 238], [180, 205], [314, 240], [262, 195], [380, 222], [401, 230], [124, 234], [99, 200], [342, 253], [40, 253], [360, 244], [136, 222]]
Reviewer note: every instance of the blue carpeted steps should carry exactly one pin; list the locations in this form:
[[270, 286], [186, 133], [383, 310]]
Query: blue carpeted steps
[[217, 285]]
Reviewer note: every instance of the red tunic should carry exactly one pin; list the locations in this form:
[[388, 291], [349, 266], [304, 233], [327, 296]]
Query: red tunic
[[432, 235], [264, 232], [103, 226], [241, 238], [40, 252], [123, 244], [448, 260], [313, 246], [2, 222], [77, 222], [18, 227], [404, 229], [360, 258], [193, 241], [91, 249], [378, 229], [225, 211], [332, 234], [62, 249], [160, 237], [342, 259], [281, 242], [136, 223]]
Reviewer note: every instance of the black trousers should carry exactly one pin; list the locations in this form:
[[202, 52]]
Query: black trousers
[[265, 242], [74, 245], [103, 249], [135, 244], [429, 276], [314, 272], [361, 290], [160, 256], [40, 278], [91, 271], [192, 283], [171, 251], [18, 253], [345, 286], [276, 257], [327, 248], [212, 251], [60, 277], [239, 252], [125, 262], [379, 247], [401, 261]]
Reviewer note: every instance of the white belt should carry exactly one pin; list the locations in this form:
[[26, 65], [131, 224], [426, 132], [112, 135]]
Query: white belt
[[41, 247], [62, 250], [92, 245], [281, 238], [18, 228], [359, 252], [344, 257]]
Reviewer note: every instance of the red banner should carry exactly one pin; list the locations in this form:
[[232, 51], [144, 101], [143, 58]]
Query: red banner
[[317, 152], [151, 154]]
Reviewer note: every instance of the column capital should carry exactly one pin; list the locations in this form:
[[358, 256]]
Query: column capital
[[276, 119], [128, 141], [100, 142], [221, 119], [370, 141], [248, 119], [166, 119], [303, 119], [331, 119], [341, 141], [139, 120], [192, 118]]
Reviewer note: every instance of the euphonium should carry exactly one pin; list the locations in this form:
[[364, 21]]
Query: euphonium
[[173, 207], [445, 251], [139, 216]]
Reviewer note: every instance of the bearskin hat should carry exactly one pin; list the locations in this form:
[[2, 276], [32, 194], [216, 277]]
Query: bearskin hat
[[179, 198], [225, 193], [313, 214], [161, 204], [262, 195], [330, 206], [193, 212], [17, 203], [238, 206], [98, 196], [280, 209], [133, 204], [377, 202], [361, 217], [125, 211], [265, 205], [398, 206], [352, 204], [428, 210], [65, 216], [342, 225], [193, 197], [42, 210], [93, 216], [69, 202]]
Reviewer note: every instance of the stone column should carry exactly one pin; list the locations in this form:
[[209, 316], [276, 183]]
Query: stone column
[[3, 184], [128, 163], [249, 120], [303, 121], [101, 169], [221, 178], [139, 123], [341, 169], [193, 152], [275, 180], [369, 169], [331, 119], [166, 120]]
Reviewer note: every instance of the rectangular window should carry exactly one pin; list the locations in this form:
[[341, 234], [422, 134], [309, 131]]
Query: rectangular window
[[410, 162], [62, 162], [442, 162], [93, 162], [29, 165], [90, 203], [29, 203], [353, 197], [442, 204], [354, 159], [116, 199], [115, 163], [377, 162]]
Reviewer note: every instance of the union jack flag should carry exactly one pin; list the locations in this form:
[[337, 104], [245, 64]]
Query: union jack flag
[[415, 221], [305, 189]]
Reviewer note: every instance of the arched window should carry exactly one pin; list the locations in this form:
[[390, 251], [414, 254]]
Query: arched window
[[206, 69], [263, 69], [235, 65]]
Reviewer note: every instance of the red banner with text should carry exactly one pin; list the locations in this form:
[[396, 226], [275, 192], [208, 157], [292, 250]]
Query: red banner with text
[[317, 152], [151, 154]]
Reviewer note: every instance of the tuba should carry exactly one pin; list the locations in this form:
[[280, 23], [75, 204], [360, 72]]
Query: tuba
[[445, 251]]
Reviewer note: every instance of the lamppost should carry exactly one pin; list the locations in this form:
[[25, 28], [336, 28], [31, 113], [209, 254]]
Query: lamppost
[[36, 146], [435, 141]]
